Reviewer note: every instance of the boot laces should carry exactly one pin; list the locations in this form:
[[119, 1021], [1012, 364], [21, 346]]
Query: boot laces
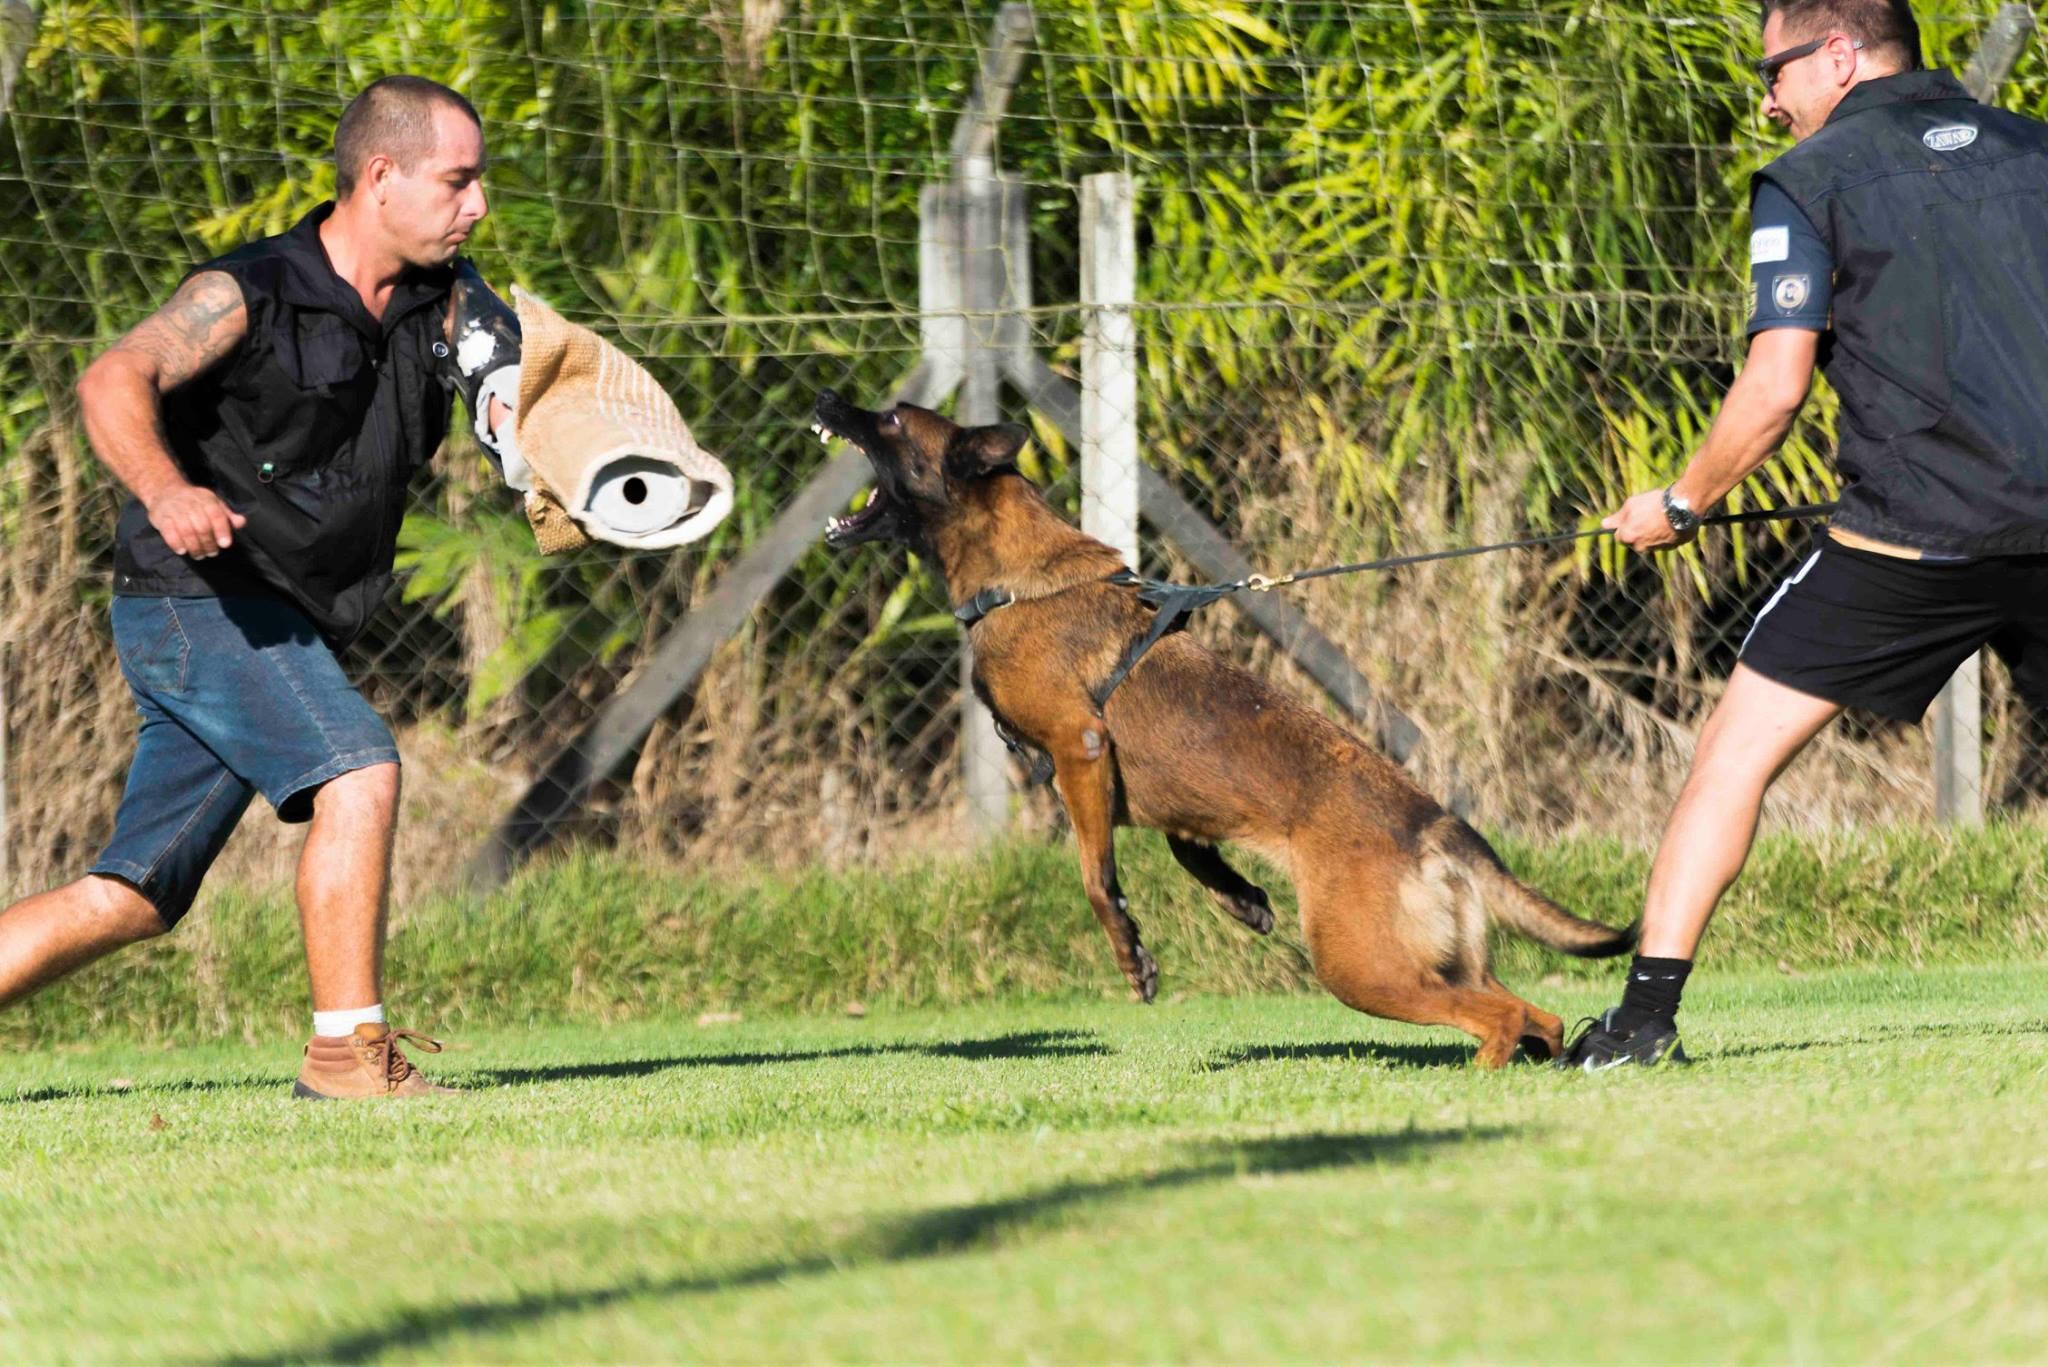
[[397, 1067]]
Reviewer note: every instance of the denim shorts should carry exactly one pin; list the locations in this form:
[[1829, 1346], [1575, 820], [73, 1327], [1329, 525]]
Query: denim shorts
[[239, 696]]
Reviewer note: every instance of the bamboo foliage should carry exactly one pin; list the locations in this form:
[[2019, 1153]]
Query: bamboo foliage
[[1419, 267], [1440, 199]]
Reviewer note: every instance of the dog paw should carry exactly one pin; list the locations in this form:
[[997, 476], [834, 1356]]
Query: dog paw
[[1253, 909], [1143, 973]]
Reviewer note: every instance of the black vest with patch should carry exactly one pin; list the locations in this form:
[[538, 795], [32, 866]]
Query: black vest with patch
[[1935, 208], [312, 430]]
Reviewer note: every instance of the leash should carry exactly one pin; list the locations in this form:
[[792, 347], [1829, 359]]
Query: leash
[[1172, 603], [1259, 583]]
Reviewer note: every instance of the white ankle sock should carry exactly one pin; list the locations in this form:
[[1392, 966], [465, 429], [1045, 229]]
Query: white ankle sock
[[333, 1023]]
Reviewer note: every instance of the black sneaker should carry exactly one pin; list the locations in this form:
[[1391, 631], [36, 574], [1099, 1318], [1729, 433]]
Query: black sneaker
[[1599, 1045]]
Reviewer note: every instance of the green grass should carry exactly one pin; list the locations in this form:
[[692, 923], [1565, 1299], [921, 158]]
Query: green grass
[[603, 937], [1854, 1173]]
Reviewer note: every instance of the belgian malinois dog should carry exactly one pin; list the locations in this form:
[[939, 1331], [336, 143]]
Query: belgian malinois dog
[[1394, 891]]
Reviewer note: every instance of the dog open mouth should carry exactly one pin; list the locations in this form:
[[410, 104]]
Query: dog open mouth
[[854, 527], [841, 530]]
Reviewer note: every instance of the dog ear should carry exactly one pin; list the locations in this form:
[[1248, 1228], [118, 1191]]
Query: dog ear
[[978, 451]]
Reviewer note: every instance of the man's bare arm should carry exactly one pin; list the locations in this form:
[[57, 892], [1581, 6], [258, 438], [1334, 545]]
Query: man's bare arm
[[1754, 420], [121, 397]]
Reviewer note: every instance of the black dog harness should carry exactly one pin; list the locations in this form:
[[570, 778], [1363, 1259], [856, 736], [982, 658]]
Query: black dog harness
[[1171, 604]]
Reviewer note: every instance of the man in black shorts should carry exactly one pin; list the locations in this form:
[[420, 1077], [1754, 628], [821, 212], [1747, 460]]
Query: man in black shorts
[[1902, 246]]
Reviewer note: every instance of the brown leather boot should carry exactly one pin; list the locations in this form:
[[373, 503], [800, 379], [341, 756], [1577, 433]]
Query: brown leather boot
[[365, 1064]]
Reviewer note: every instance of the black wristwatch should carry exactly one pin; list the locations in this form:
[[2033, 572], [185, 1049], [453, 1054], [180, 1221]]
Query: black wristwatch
[[1679, 514]]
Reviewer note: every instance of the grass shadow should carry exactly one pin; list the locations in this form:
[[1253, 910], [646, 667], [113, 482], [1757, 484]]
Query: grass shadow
[[1027, 1044], [1883, 1034], [1356, 1051], [183, 1086], [939, 1232]]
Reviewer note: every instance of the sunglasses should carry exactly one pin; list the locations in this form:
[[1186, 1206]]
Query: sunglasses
[[1767, 70]]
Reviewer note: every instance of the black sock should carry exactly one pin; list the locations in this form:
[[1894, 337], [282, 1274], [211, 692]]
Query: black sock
[[1654, 987]]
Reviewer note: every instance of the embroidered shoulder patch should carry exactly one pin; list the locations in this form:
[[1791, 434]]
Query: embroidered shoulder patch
[[1952, 138], [1769, 244], [1788, 292]]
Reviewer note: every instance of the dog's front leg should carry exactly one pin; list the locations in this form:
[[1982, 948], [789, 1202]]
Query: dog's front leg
[[1234, 892], [1086, 775]]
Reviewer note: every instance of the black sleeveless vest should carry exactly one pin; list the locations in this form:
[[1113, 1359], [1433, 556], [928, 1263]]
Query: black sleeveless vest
[[312, 430], [1936, 210]]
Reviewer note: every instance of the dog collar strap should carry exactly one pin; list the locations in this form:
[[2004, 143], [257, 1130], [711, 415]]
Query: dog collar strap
[[982, 604], [989, 599]]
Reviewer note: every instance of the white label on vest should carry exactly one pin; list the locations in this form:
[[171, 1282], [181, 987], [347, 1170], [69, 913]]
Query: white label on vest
[[1950, 139], [1769, 244]]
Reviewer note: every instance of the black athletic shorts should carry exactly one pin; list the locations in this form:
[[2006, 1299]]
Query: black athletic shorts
[[1884, 634]]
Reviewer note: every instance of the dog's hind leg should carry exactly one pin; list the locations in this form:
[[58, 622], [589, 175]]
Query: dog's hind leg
[[1235, 893], [1499, 1020], [1395, 949], [1542, 1033], [1087, 782]]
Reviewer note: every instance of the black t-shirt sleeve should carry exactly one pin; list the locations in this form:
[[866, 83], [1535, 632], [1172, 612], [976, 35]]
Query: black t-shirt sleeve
[[1791, 271]]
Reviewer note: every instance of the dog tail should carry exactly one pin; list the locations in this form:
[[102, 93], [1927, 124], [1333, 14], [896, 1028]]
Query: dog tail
[[1520, 907]]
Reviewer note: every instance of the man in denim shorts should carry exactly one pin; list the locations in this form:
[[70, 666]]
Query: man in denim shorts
[[268, 420]]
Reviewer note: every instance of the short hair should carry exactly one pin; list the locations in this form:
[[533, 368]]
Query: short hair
[[393, 116], [1884, 27]]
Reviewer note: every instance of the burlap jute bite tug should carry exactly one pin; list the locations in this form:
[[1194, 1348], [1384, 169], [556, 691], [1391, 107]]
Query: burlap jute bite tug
[[554, 531], [609, 454]]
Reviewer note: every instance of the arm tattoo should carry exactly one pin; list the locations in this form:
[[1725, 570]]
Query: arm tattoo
[[201, 325]]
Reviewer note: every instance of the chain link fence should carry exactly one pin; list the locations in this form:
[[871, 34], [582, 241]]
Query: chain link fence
[[1408, 277]]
